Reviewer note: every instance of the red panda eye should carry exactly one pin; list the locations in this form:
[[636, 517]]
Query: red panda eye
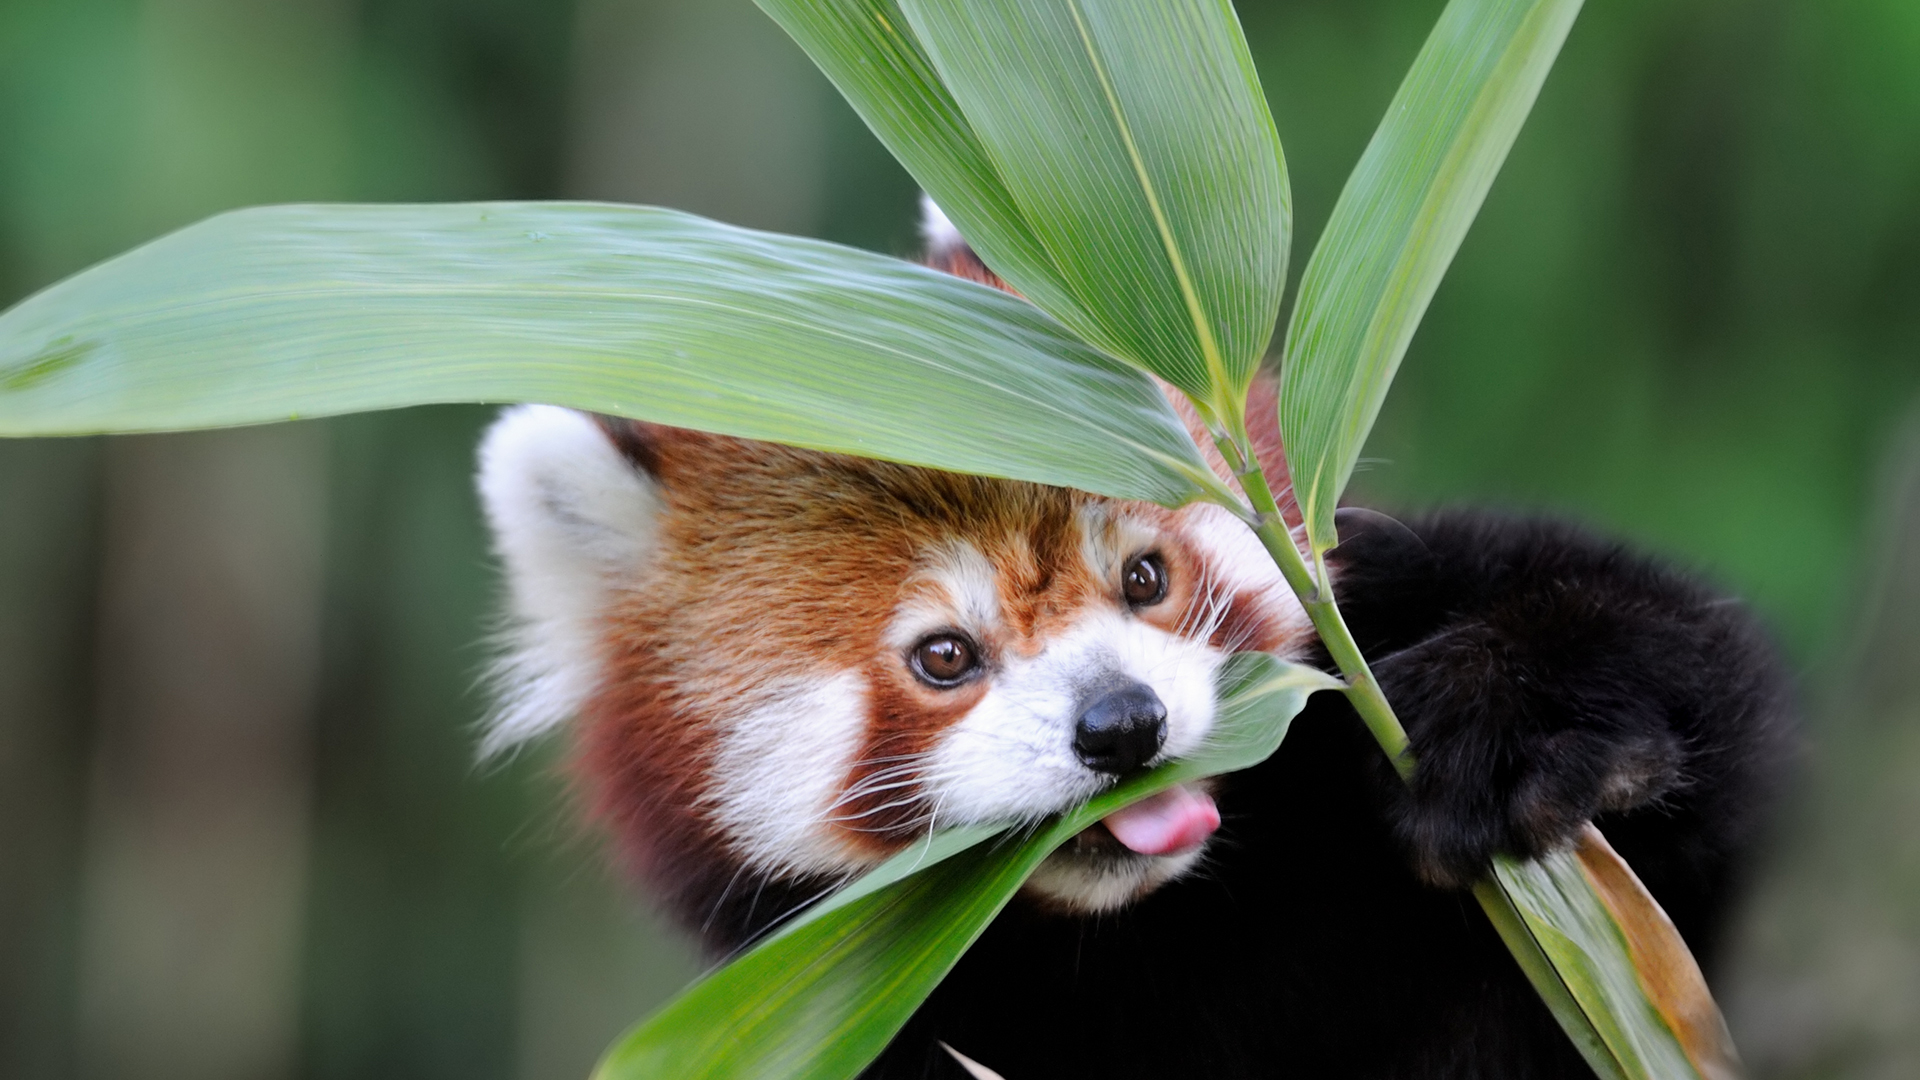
[[1145, 581], [944, 659]]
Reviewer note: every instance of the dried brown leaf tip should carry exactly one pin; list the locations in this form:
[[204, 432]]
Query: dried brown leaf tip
[[1668, 973]]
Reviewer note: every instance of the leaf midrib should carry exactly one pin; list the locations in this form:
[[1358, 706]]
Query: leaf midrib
[[1189, 295]]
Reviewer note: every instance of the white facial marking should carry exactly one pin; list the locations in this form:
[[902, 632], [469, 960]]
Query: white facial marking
[[573, 522], [964, 596], [1108, 540], [779, 770]]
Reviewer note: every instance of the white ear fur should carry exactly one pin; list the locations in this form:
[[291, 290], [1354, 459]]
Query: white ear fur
[[938, 230], [573, 521]]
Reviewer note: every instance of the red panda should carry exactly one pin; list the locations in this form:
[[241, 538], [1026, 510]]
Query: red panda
[[782, 665], [789, 664]]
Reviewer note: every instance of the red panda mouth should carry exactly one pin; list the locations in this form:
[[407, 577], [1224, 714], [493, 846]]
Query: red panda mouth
[[1129, 853], [1173, 822]]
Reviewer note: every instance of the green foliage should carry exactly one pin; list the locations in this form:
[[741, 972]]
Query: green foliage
[[821, 998], [1574, 951], [277, 312], [1396, 227], [1115, 163]]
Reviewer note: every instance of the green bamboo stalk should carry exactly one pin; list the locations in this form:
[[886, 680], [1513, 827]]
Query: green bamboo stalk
[[1315, 593]]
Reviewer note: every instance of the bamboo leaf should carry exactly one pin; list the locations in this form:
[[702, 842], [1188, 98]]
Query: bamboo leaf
[[291, 311], [1662, 964], [1114, 161], [1617, 975], [1518, 935], [823, 997], [1396, 227], [870, 52]]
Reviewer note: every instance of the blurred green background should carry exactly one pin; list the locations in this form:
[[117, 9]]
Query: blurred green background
[[242, 831]]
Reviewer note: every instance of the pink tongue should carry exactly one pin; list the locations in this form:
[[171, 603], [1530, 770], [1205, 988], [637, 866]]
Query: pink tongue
[[1178, 819]]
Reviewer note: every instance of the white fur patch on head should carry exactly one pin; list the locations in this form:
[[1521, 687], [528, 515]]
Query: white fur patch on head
[[938, 230], [573, 521], [778, 772], [954, 587]]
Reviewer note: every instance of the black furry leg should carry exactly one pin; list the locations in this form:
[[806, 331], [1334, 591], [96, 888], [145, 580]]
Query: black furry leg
[[1547, 678]]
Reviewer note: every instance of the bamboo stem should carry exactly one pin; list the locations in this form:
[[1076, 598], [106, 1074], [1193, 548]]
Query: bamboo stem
[[1316, 596]]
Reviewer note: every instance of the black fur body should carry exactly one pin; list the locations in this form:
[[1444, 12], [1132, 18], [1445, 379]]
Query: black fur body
[[1546, 678]]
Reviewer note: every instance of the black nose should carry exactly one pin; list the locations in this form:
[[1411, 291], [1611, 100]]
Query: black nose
[[1120, 729]]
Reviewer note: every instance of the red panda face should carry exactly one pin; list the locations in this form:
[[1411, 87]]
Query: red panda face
[[787, 665]]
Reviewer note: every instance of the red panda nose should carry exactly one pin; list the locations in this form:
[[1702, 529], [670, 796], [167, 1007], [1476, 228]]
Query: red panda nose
[[1121, 729]]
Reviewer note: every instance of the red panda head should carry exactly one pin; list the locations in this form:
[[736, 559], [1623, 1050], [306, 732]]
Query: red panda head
[[787, 665]]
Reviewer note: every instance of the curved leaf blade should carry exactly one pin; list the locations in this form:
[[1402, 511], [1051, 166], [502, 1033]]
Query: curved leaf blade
[[1518, 936], [823, 997], [1666, 971], [287, 311], [1396, 227], [1610, 964], [1137, 143], [1115, 162], [871, 54]]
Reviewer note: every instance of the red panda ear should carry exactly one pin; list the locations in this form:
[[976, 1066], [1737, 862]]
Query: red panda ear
[[637, 441], [949, 252], [962, 262], [573, 521]]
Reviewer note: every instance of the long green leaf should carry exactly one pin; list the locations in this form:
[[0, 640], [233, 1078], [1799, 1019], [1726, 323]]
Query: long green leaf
[[1114, 161], [290, 311], [1610, 964], [1621, 1033], [869, 51], [822, 999], [1396, 227]]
